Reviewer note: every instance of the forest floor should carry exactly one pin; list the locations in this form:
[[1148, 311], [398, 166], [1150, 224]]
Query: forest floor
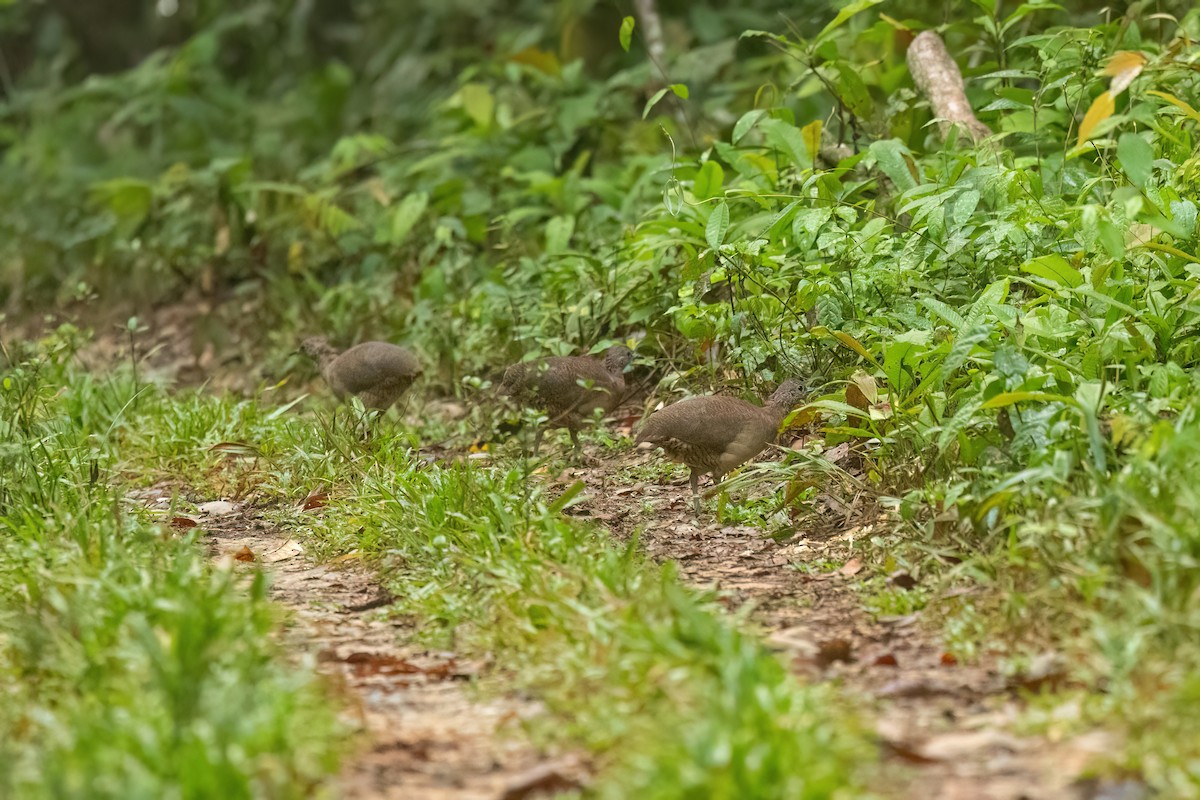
[[436, 726], [946, 730]]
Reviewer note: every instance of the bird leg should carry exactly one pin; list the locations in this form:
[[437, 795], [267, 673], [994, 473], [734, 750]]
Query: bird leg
[[694, 480], [537, 438]]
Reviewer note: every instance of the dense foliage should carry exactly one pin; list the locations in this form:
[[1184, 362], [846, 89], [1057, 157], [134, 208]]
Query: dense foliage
[[1004, 331]]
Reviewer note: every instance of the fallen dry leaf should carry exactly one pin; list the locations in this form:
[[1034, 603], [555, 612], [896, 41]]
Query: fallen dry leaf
[[183, 523], [235, 450], [948, 660], [542, 779], [289, 549], [913, 687], [245, 554], [217, 508], [902, 579], [315, 499], [835, 650], [957, 746], [886, 660], [851, 567], [906, 751]]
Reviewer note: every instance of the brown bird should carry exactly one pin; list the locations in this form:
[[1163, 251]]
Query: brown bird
[[569, 388], [377, 373], [716, 434]]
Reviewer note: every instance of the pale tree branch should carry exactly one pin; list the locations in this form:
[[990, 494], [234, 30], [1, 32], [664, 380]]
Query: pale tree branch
[[938, 78]]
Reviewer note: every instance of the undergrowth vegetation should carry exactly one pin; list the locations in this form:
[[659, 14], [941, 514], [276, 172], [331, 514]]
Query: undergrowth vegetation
[[1003, 332], [114, 620], [131, 667]]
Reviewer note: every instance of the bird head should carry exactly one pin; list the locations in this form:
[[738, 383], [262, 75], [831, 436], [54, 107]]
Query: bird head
[[315, 346], [617, 357], [789, 393]]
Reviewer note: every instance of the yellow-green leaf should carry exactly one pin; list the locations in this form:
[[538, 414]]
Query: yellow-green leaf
[[1055, 269], [478, 102], [811, 134], [626, 35], [1102, 108], [1009, 398], [1175, 101], [855, 345]]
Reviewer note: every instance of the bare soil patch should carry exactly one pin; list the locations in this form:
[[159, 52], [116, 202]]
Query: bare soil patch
[[423, 730], [947, 730]]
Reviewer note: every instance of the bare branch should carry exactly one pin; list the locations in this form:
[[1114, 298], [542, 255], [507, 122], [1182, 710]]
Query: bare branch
[[938, 78]]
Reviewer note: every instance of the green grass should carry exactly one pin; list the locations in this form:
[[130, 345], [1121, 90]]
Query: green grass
[[119, 625], [130, 666]]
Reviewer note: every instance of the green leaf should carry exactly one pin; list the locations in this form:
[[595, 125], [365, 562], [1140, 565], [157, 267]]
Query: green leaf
[[743, 125], [680, 90], [853, 90], [566, 497], [626, 34], [952, 427], [405, 216], [1137, 157], [896, 162], [718, 224], [1054, 268], [709, 180], [846, 13], [849, 341], [1005, 399], [653, 101], [901, 352], [788, 139], [558, 233], [128, 199], [478, 102]]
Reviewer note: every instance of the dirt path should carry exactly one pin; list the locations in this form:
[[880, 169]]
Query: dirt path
[[946, 729], [424, 733]]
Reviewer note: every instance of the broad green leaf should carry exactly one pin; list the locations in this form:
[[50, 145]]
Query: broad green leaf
[[747, 121], [1136, 156], [558, 233], [1055, 269], [787, 139], [478, 102], [680, 90], [709, 180], [405, 216], [901, 352], [846, 13], [992, 296], [853, 90], [896, 162], [626, 34], [944, 311], [128, 199], [718, 224]]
